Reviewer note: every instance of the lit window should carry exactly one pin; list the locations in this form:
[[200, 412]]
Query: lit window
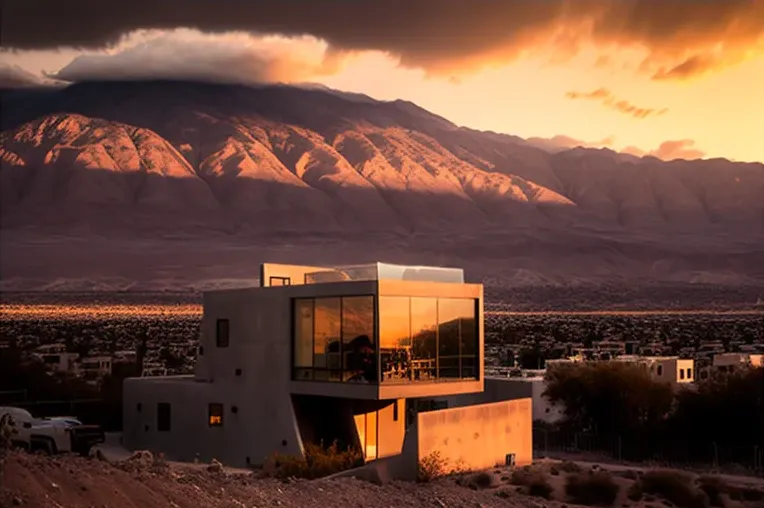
[[216, 415], [280, 281]]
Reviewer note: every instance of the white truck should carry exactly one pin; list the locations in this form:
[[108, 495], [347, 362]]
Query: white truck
[[59, 434]]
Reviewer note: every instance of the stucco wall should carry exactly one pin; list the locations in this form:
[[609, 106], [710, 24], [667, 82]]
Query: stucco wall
[[478, 437]]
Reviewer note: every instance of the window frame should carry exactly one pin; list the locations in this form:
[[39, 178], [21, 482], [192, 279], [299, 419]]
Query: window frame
[[285, 281]]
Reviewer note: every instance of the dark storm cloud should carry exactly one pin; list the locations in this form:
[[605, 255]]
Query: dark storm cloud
[[439, 35]]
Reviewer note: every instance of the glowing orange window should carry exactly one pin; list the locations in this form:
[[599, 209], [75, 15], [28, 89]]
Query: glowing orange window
[[216, 415]]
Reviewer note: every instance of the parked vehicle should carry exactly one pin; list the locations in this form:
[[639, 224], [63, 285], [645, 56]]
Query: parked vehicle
[[58, 434]]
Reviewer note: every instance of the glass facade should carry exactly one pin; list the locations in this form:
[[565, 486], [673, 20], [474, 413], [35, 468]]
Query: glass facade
[[428, 339], [334, 339], [420, 339]]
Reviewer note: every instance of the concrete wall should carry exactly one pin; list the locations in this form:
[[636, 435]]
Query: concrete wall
[[478, 437]]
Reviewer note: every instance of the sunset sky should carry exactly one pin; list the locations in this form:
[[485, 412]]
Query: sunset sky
[[678, 78]]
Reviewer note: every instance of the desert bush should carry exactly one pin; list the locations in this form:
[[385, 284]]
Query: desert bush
[[675, 487], [316, 462], [713, 487], [533, 482], [635, 492], [592, 489], [567, 466], [482, 480], [629, 474], [431, 466]]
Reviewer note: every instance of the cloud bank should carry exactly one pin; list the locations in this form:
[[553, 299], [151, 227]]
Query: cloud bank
[[187, 54], [669, 150], [680, 38]]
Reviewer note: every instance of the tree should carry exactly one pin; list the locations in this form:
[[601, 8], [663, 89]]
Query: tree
[[611, 398]]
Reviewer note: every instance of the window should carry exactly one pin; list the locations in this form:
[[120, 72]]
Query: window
[[215, 415], [395, 338], [163, 417], [334, 339], [421, 339], [279, 281], [660, 370], [689, 373], [222, 332], [359, 359], [303, 333], [681, 373], [424, 338], [395, 411]]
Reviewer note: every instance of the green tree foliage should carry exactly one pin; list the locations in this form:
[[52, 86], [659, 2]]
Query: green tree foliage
[[727, 410], [620, 400], [608, 397]]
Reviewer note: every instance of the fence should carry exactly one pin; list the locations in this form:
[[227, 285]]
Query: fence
[[744, 460]]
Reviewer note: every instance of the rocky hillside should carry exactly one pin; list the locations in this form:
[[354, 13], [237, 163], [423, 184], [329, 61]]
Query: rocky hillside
[[200, 172]]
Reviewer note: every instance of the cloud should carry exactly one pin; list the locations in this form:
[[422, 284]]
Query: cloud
[[13, 76], [561, 142], [679, 149], [188, 54], [441, 36], [606, 97]]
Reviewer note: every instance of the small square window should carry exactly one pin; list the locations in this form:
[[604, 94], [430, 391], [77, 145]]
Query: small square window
[[221, 333], [215, 416], [280, 281]]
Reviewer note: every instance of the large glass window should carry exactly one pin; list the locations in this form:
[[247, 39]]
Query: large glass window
[[303, 333], [359, 359], [426, 339], [395, 338], [334, 339], [421, 339]]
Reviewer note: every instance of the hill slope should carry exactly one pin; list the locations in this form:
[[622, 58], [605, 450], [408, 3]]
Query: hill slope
[[173, 182]]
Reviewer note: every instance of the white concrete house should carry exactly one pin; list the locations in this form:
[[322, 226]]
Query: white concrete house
[[669, 369], [331, 354], [729, 361]]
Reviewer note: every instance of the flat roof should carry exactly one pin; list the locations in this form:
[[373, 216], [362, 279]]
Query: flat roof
[[385, 271]]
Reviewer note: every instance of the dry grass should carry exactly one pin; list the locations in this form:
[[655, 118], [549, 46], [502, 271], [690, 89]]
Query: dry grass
[[317, 462], [673, 486], [532, 482], [596, 488], [432, 466]]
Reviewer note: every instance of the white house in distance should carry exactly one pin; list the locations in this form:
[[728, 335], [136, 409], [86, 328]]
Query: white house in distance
[[320, 355], [729, 361], [669, 369]]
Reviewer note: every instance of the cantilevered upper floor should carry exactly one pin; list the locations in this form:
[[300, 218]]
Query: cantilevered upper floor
[[376, 331]]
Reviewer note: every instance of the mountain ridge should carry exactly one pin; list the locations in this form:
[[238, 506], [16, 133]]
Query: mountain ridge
[[160, 160]]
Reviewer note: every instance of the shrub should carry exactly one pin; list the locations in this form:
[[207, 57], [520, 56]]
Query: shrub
[[635, 492], [533, 483], [713, 487], [629, 474], [483, 480], [593, 488], [431, 466], [317, 462], [675, 487], [567, 466]]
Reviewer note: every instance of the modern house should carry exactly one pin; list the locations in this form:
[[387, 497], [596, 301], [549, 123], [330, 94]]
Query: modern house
[[333, 354]]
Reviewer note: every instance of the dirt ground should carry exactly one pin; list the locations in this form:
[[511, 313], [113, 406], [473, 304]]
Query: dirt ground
[[73, 482], [145, 482]]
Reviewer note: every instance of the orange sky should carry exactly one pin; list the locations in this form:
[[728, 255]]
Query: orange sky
[[603, 95]]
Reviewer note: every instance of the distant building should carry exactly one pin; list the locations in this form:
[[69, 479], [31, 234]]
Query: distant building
[[56, 358], [669, 369], [334, 354], [94, 366], [727, 362]]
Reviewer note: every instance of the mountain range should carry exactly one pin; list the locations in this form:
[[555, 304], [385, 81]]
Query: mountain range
[[178, 185]]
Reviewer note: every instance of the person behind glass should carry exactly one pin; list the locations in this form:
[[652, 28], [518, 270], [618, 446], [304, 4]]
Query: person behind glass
[[361, 361]]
